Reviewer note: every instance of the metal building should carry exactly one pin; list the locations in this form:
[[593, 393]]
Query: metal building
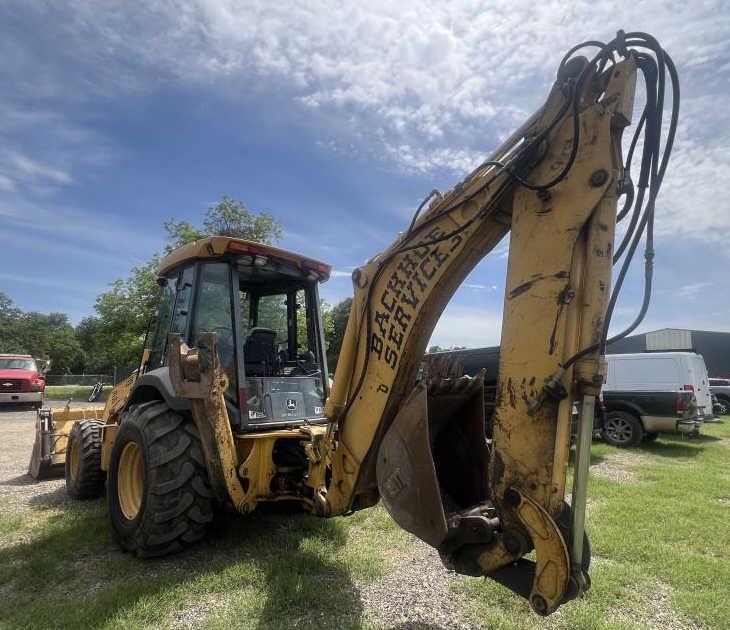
[[713, 346]]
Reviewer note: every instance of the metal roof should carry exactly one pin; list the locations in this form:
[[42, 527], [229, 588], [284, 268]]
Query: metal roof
[[217, 246]]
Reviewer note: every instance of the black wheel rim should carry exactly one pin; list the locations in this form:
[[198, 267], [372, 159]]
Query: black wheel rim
[[619, 430]]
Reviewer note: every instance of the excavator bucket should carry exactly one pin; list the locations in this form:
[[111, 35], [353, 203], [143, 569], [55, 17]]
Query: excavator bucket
[[433, 460], [52, 426]]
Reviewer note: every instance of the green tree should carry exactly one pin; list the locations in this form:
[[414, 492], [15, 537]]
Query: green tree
[[59, 343], [335, 325], [10, 326], [226, 218], [40, 335], [122, 316], [115, 335]]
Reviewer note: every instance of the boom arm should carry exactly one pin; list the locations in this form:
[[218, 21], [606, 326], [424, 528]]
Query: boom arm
[[554, 184]]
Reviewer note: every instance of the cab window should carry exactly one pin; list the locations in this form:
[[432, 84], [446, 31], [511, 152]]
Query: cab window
[[214, 313], [162, 325], [182, 301]]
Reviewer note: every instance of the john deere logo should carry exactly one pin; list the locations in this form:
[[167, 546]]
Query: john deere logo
[[291, 404]]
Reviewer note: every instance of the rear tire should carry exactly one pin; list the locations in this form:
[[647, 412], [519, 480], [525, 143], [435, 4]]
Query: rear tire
[[158, 494], [622, 429], [84, 476], [725, 406]]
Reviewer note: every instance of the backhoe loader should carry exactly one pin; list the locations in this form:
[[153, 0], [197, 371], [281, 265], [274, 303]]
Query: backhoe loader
[[232, 403]]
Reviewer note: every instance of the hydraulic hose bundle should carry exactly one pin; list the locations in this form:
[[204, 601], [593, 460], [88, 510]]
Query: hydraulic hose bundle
[[640, 201]]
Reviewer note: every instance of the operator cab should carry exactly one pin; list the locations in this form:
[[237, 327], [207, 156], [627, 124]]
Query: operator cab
[[263, 304]]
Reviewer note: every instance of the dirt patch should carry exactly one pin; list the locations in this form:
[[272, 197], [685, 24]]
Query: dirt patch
[[660, 613], [618, 466], [193, 616], [416, 595]]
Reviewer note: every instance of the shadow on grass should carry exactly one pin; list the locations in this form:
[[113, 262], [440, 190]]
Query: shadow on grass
[[305, 584], [672, 447], [704, 437], [596, 458], [287, 562]]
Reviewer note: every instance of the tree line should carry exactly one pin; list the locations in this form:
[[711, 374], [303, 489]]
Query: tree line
[[115, 334]]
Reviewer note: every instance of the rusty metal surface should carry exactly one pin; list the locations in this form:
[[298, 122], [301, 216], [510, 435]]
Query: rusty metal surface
[[407, 475], [195, 373], [432, 464]]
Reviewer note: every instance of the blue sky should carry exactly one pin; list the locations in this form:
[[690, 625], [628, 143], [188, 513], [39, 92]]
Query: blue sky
[[115, 116]]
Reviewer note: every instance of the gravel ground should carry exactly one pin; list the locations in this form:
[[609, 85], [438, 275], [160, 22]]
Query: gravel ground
[[17, 489], [417, 595], [618, 466]]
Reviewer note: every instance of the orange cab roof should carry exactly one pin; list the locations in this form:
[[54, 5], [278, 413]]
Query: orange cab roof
[[217, 246]]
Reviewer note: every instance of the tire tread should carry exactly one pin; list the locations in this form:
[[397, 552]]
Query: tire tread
[[91, 479], [178, 501]]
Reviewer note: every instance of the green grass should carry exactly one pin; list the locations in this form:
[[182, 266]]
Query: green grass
[[268, 570], [665, 534], [77, 393]]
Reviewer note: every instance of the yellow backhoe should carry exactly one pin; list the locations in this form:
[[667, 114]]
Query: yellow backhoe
[[232, 402]]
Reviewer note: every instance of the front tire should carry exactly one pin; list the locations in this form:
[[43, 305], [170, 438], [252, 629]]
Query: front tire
[[84, 476], [158, 494], [622, 429]]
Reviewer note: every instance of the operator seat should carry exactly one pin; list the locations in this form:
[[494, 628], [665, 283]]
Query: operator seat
[[259, 352]]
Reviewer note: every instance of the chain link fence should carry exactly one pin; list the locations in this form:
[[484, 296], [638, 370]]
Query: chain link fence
[[78, 379]]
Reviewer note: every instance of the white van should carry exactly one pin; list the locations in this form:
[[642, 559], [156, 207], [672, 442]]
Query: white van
[[661, 371]]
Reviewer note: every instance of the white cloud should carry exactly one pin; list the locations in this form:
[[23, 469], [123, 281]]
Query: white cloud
[[691, 291], [433, 84], [466, 326], [6, 183], [425, 86], [98, 233], [45, 281], [17, 168], [481, 287]]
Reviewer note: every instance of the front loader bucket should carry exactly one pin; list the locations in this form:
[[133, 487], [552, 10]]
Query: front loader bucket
[[433, 459], [41, 460], [52, 426]]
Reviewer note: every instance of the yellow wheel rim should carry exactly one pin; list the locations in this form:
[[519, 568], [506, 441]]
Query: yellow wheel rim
[[75, 459], [130, 480]]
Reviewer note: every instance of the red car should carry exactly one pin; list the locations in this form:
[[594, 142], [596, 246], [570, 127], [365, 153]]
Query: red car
[[20, 380]]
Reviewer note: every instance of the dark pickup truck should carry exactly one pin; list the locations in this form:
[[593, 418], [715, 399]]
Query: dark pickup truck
[[633, 417], [624, 418]]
